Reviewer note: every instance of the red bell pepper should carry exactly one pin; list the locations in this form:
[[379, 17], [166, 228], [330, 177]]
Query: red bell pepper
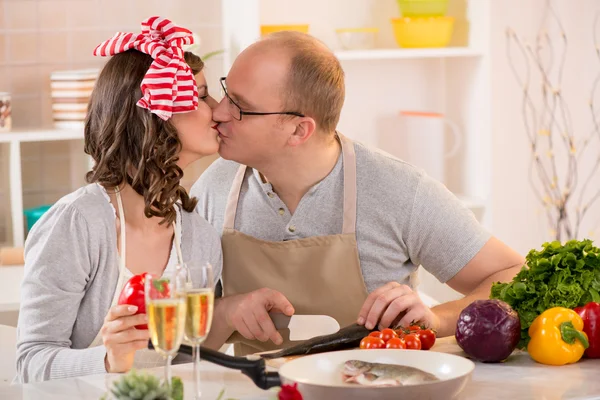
[[133, 293], [590, 313]]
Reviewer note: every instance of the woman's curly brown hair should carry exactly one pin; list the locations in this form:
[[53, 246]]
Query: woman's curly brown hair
[[130, 144]]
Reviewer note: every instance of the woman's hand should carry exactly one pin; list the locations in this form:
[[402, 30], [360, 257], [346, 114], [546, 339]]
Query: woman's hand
[[121, 339]]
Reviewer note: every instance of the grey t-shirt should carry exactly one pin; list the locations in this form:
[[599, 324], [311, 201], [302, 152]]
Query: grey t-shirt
[[404, 217], [71, 273]]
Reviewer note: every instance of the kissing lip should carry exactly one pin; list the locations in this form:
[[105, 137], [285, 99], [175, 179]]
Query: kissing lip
[[216, 128]]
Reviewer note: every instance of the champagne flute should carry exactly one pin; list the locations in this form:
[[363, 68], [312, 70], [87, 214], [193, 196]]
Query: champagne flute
[[165, 307], [199, 294]]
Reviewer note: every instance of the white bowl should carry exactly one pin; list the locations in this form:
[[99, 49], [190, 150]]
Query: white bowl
[[319, 376], [357, 38]]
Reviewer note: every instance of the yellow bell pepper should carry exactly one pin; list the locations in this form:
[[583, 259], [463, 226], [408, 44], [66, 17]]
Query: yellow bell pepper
[[557, 337]]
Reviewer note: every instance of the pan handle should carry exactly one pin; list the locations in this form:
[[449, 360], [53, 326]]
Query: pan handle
[[263, 379], [219, 358], [254, 369]]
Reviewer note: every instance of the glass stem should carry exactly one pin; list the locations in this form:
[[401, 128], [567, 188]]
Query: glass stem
[[196, 356], [168, 372]]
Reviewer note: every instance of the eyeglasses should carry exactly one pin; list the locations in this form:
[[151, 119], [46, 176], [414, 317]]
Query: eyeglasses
[[237, 113]]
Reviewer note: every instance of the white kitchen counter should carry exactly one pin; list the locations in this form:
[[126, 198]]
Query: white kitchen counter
[[518, 378], [11, 278]]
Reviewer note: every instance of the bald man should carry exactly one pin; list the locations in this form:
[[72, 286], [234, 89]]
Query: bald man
[[314, 223]]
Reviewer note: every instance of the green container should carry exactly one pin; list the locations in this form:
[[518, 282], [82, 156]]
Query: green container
[[33, 214], [423, 8]]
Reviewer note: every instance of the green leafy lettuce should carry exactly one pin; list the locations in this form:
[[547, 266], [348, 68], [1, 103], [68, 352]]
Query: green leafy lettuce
[[140, 385], [557, 276]]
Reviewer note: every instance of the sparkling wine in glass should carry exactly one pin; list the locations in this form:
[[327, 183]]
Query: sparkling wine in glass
[[199, 294], [166, 310]]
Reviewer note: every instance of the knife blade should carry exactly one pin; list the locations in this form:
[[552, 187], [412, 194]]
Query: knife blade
[[304, 327]]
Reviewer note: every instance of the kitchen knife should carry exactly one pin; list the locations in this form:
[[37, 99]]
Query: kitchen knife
[[304, 327]]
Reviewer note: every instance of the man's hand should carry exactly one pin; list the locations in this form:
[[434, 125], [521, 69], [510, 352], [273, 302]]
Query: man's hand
[[249, 314], [386, 304]]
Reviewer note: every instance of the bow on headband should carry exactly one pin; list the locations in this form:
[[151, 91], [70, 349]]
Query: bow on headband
[[169, 86]]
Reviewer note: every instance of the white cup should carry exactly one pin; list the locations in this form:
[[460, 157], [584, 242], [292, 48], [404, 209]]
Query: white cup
[[420, 140]]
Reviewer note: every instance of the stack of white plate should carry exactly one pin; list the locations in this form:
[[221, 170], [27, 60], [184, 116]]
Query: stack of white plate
[[71, 92]]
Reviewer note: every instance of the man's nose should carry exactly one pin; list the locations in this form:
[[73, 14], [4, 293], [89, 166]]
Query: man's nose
[[220, 112]]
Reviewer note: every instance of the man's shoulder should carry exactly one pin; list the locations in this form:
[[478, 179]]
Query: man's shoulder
[[201, 230], [381, 169], [216, 178]]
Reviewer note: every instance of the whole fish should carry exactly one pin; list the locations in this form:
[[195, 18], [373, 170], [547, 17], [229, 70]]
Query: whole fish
[[375, 374], [346, 338]]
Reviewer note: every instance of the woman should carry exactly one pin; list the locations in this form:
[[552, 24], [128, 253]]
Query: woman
[[149, 116]]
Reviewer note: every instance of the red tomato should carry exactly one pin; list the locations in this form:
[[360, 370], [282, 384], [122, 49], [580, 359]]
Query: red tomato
[[395, 343], [414, 328], [371, 342], [376, 334], [412, 341], [388, 334], [427, 338]]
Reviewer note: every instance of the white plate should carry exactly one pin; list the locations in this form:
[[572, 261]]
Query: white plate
[[319, 376]]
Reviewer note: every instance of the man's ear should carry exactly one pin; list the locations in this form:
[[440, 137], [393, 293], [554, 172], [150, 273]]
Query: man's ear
[[305, 128]]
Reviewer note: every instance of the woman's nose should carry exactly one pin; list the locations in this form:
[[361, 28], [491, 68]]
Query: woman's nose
[[212, 103]]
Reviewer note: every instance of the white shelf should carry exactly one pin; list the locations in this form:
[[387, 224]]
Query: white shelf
[[41, 135], [391, 54], [14, 139]]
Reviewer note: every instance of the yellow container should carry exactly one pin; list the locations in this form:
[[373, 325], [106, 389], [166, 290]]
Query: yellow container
[[267, 29], [423, 8], [423, 32]]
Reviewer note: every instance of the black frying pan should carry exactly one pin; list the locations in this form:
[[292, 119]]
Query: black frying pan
[[346, 338]]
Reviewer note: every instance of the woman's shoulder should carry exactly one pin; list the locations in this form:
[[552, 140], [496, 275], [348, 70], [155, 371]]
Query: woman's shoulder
[[79, 211], [90, 201], [79, 217]]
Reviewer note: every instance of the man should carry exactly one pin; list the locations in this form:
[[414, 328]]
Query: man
[[317, 224]]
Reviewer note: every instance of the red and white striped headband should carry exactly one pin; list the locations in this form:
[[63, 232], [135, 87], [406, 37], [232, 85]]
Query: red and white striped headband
[[169, 86]]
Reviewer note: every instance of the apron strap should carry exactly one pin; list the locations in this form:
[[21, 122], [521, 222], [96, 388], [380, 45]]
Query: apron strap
[[177, 241], [233, 198], [122, 259], [349, 157], [349, 215], [186, 245]]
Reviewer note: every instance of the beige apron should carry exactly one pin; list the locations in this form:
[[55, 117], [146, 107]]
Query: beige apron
[[143, 358], [318, 275]]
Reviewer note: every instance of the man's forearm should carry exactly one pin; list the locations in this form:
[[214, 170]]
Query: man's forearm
[[220, 330], [448, 312]]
